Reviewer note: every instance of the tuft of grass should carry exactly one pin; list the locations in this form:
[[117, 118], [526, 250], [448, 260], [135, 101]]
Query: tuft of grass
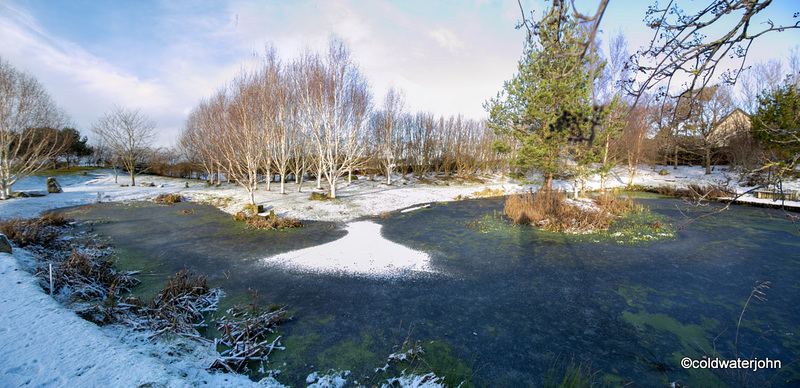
[[269, 222], [273, 223], [568, 374]]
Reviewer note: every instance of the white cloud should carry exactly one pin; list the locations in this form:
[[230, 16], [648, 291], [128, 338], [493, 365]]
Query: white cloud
[[79, 81], [447, 39]]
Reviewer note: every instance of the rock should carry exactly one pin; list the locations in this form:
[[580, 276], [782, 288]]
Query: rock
[[5, 245], [147, 184], [663, 172], [53, 186], [186, 184], [36, 193], [19, 194]]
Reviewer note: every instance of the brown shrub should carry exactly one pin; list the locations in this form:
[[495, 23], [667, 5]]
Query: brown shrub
[[241, 216], [488, 193]]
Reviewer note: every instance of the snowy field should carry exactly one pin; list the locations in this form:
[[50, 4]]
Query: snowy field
[[44, 344]]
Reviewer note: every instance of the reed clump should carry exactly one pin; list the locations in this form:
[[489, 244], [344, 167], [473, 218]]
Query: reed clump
[[550, 210], [43, 230]]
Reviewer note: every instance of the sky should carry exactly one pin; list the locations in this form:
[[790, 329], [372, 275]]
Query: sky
[[163, 57]]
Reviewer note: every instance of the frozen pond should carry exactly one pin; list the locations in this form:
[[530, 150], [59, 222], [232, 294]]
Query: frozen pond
[[500, 304]]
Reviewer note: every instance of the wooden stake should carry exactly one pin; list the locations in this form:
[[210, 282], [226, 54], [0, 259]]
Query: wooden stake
[[51, 279]]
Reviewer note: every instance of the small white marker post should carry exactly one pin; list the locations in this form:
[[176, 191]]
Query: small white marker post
[[51, 278]]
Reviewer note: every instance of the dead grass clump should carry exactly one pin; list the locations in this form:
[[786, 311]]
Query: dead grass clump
[[269, 222], [186, 211], [250, 208], [39, 231], [385, 215], [488, 193], [169, 199], [530, 209], [550, 211], [612, 204], [275, 222], [316, 196]]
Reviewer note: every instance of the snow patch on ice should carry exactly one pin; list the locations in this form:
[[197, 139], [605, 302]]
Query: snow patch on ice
[[363, 251]]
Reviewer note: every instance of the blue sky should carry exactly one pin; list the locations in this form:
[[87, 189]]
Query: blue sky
[[164, 56]]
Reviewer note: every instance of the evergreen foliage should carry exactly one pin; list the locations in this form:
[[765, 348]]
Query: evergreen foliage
[[777, 119], [545, 107]]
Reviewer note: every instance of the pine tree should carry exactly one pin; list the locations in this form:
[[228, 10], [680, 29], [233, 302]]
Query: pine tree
[[547, 107], [777, 119]]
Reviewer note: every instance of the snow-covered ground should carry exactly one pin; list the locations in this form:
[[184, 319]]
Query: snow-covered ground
[[44, 344]]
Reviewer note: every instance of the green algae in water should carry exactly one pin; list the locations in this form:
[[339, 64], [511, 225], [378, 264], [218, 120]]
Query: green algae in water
[[695, 341], [297, 352], [355, 355]]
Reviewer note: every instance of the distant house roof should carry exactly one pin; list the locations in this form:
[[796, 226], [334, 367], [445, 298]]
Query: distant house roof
[[734, 123]]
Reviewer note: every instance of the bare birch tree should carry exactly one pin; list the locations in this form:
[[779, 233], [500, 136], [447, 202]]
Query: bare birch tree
[[25, 109], [387, 131], [242, 144], [279, 115], [128, 134], [336, 100]]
